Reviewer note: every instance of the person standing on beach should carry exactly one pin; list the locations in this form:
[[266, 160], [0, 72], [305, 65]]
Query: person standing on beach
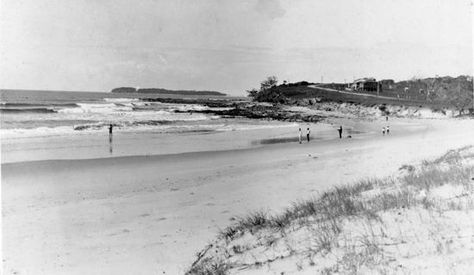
[[307, 134], [383, 131], [340, 131], [110, 137], [300, 136], [388, 129]]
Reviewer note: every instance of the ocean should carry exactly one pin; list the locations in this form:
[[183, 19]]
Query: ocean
[[40, 113], [39, 125]]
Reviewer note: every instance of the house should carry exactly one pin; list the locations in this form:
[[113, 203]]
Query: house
[[387, 83], [365, 84]]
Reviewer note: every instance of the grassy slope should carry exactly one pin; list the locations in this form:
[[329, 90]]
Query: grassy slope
[[420, 221], [291, 95], [327, 96], [445, 93]]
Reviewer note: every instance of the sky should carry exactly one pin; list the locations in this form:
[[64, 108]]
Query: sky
[[228, 46]]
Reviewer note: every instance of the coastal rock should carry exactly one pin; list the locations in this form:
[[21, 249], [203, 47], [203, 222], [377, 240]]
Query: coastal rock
[[226, 108]]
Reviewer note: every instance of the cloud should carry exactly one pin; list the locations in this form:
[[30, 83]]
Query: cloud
[[270, 8]]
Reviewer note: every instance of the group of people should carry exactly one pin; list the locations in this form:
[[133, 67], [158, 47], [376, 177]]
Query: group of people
[[385, 130], [308, 132], [300, 136]]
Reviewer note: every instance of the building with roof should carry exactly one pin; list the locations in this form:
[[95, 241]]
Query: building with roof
[[367, 84]]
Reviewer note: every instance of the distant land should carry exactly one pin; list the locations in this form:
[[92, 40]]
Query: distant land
[[126, 90]]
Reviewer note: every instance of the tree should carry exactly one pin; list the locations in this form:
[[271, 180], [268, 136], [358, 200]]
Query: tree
[[461, 97], [268, 83], [266, 91], [252, 93], [455, 92]]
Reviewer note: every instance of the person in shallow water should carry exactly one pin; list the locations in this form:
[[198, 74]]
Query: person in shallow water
[[340, 131], [307, 134], [110, 138]]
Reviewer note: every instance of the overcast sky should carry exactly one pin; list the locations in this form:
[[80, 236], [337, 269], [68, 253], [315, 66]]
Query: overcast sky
[[229, 46]]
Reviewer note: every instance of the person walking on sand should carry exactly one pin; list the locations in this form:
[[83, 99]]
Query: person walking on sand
[[340, 131], [307, 134], [300, 135], [383, 131], [388, 129]]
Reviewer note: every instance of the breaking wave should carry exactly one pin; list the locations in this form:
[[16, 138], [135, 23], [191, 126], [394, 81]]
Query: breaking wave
[[27, 110], [97, 108]]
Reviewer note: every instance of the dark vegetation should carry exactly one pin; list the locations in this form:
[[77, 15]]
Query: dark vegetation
[[436, 93], [302, 94], [165, 91]]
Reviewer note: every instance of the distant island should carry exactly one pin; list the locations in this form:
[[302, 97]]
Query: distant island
[[126, 90]]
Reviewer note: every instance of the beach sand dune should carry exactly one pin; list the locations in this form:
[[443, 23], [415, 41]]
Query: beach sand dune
[[151, 214]]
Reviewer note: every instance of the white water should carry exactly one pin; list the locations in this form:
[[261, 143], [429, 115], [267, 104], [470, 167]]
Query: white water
[[124, 113], [79, 129]]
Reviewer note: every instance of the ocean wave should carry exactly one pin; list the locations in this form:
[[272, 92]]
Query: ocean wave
[[91, 126], [27, 110], [176, 107], [15, 104], [155, 126], [100, 129], [97, 108], [123, 126], [121, 100]]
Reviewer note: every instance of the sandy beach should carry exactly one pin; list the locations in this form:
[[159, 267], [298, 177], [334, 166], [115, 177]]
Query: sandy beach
[[151, 214], [236, 137]]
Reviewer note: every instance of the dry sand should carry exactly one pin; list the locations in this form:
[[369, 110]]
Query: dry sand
[[151, 214]]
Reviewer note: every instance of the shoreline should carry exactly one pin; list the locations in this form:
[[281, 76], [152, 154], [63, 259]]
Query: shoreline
[[146, 143], [259, 145], [124, 143]]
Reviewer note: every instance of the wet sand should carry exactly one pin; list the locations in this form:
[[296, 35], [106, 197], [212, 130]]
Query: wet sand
[[151, 214]]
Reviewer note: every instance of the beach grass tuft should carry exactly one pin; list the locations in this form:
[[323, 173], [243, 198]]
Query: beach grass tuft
[[209, 267]]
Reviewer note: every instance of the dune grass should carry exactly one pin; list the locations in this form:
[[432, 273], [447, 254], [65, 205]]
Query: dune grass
[[326, 212], [209, 267]]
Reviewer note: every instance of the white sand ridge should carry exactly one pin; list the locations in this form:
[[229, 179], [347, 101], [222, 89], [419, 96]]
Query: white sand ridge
[[421, 222]]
